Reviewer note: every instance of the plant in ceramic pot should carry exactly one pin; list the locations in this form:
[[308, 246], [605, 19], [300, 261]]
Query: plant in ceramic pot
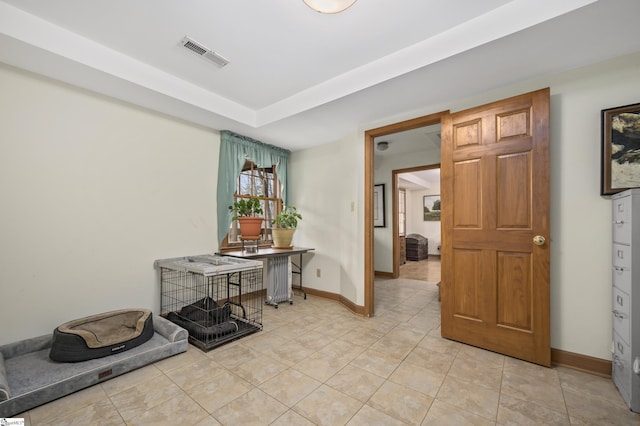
[[248, 211], [285, 224]]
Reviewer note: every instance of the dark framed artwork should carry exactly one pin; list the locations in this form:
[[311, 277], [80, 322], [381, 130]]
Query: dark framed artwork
[[378, 206], [620, 149], [431, 207]]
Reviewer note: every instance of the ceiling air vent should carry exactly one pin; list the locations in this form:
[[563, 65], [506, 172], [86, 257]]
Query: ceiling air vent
[[203, 52]]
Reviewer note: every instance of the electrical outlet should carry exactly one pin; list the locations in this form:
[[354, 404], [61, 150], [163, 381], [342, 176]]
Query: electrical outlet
[[318, 272]]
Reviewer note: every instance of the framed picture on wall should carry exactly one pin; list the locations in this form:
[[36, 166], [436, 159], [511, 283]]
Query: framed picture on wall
[[620, 149], [431, 208], [378, 206]]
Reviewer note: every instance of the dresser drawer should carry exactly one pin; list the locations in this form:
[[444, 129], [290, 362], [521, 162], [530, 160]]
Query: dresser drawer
[[621, 260], [622, 279], [621, 367], [621, 314], [622, 220], [621, 255]]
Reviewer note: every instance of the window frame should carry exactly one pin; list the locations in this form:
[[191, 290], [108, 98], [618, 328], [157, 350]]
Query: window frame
[[253, 173], [402, 212]]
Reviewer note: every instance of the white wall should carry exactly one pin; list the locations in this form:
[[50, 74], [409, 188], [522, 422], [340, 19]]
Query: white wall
[[326, 184], [383, 173], [93, 191], [580, 217]]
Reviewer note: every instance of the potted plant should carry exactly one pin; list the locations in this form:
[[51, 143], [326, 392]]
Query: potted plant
[[247, 212], [284, 225]]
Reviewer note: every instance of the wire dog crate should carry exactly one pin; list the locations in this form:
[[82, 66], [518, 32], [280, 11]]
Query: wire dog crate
[[217, 299]]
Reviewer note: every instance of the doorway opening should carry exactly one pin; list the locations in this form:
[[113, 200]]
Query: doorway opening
[[417, 196], [371, 138]]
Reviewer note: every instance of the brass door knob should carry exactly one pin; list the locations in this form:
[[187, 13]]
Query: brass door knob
[[538, 240]]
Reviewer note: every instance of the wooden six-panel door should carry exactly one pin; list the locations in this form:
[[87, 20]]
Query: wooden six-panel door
[[495, 224]]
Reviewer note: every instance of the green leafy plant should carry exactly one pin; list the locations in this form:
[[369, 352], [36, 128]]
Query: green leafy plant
[[246, 207], [287, 218]]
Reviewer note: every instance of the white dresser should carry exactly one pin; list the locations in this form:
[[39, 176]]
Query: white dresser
[[626, 295]]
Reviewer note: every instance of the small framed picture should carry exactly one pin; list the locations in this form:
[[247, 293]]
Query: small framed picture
[[378, 206], [620, 149], [431, 206]]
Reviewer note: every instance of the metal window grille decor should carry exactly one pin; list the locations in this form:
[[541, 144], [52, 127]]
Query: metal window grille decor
[[217, 299]]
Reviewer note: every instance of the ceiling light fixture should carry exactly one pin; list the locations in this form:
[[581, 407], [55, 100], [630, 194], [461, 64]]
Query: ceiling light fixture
[[329, 6], [382, 145]]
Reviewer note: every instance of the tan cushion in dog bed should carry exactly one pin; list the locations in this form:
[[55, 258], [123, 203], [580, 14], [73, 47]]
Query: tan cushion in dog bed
[[100, 335], [108, 328]]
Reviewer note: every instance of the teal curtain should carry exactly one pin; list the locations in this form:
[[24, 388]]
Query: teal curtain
[[234, 150]]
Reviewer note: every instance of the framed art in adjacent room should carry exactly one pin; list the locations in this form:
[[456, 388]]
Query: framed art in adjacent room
[[620, 149], [431, 207], [378, 206]]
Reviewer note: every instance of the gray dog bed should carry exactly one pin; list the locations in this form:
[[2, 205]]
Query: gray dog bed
[[28, 377]]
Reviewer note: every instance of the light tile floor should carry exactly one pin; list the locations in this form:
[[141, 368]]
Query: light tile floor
[[426, 269], [315, 363]]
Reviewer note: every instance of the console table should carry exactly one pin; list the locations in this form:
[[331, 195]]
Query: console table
[[278, 289]]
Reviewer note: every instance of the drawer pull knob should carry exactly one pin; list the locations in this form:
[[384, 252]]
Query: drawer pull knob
[[617, 361], [619, 300], [619, 222], [636, 365], [620, 348], [618, 314], [619, 268]]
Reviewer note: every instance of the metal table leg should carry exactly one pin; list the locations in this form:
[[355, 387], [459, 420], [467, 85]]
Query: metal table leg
[[299, 272]]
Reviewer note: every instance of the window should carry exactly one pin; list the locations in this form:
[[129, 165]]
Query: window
[[402, 212], [258, 182], [264, 168]]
